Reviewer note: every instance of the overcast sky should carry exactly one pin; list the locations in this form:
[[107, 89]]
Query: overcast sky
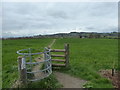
[[34, 18]]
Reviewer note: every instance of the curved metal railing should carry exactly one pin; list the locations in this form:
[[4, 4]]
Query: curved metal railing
[[39, 69]]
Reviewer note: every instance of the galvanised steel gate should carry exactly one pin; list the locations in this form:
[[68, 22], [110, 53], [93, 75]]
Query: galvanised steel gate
[[31, 67]]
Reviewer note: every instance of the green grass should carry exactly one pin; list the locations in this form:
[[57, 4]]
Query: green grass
[[9, 57], [49, 82], [88, 56]]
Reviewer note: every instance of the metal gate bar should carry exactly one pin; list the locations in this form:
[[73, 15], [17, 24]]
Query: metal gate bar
[[44, 72]]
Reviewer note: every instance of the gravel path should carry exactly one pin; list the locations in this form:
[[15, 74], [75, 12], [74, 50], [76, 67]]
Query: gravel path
[[69, 81]]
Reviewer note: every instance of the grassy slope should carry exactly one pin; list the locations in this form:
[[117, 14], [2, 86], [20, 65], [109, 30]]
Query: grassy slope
[[9, 59], [88, 56]]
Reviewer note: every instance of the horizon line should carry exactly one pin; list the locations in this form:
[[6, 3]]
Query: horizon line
[[55, 33]]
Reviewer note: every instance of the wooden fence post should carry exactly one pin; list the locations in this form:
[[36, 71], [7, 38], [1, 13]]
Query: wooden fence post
[[113, 68], [66, 54], [22, 70]]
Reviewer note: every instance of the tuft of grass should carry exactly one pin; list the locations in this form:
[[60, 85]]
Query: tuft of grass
[[49, 82]]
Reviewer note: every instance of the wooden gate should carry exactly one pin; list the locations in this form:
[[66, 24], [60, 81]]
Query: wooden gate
[[65, 55]]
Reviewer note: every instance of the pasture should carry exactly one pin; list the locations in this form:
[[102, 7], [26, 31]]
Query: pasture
[[87, 57], [9, 59]]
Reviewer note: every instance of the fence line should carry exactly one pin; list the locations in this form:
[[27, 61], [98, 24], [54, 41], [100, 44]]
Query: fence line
[[42, 69]]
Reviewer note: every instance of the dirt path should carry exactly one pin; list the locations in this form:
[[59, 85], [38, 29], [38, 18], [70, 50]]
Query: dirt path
[[39, 66], [52, 43], [68, 81]]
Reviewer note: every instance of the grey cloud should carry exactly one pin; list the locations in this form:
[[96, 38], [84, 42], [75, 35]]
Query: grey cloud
[[58, 17], [58, 14], [105, 9], [90, 28]]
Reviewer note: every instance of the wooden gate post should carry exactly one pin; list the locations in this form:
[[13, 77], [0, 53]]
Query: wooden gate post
[[22, 70], [66, 54]]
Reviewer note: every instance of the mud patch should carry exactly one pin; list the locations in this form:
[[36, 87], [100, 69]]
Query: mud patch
[[114, 78]]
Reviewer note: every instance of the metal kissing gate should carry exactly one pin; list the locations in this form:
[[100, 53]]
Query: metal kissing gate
[[33, 68]]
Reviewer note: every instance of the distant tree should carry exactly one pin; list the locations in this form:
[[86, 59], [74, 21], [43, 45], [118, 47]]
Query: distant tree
[[97, 36], [91, 35], [80, 36]]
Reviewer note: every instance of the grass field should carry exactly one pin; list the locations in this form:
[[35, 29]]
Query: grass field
[[9, 59], [87, 57]]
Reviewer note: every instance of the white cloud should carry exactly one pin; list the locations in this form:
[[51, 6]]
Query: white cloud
[[25, 18], [60, 0]]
